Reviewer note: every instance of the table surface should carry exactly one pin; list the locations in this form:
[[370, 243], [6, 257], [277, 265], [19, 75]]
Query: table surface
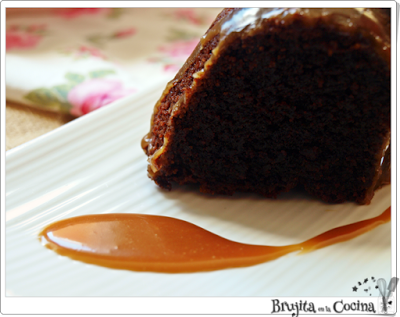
[[26, 123]]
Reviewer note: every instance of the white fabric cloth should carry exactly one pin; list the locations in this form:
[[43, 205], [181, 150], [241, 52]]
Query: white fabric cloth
[[77, 60]]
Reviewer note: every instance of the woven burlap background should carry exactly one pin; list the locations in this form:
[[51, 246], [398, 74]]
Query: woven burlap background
[[24, 123]]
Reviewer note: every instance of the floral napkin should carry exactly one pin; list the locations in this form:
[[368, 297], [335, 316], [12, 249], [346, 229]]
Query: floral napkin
[[76, 60]]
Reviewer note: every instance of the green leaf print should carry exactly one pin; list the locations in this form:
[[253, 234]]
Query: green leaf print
[[115, 13], [47, 98], [56, 97], [175, 34], [97, 39], [74, 78], [63, 90], [101, 73]]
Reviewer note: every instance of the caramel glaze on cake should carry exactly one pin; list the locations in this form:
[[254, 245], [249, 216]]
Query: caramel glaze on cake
[[275, 98]]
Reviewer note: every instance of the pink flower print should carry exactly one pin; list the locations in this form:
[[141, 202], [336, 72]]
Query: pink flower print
[[187, 14], [15, 40], [86, 50], [95, 93], [171, 68], [124, 33], [71, 13], [24, 37], [36, 28], [179, 49], [13, 28]]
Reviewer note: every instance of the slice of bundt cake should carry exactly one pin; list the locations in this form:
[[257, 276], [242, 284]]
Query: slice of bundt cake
[[274, 98]]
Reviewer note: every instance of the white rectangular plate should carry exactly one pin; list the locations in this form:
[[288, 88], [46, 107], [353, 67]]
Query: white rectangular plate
[[95, 165]]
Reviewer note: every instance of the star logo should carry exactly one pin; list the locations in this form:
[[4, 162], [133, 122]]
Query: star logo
[[369, 285]]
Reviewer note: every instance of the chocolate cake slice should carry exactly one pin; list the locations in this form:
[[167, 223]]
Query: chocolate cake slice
[[275, 98]]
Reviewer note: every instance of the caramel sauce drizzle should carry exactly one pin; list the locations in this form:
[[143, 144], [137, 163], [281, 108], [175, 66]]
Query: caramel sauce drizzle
[[163, 244]]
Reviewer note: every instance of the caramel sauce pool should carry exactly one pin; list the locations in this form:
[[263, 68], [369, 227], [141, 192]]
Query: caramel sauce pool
[[163, 244]]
